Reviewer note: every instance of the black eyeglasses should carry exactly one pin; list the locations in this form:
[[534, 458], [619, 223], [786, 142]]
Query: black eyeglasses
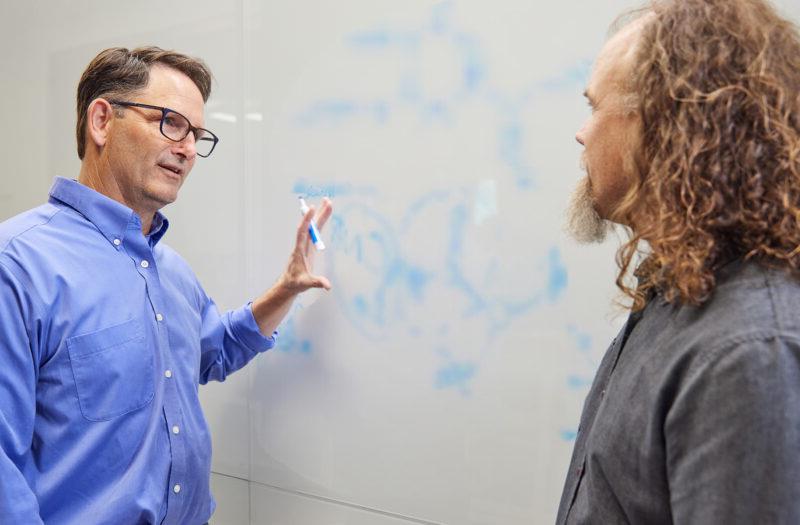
[[176, 127]]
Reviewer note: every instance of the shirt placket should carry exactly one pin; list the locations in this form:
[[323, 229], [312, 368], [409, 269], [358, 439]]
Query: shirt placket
[[142, 255]]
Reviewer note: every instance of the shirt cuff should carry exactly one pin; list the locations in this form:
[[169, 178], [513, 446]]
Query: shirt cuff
[[244, 325]]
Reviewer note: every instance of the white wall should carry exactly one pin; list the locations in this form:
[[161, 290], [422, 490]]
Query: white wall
[[442, 378]]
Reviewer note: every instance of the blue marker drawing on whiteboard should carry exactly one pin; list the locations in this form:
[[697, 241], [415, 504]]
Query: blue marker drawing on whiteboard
[[312, 228]]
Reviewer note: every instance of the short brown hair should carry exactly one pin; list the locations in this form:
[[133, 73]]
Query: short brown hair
[[119, 72], [719, 98]]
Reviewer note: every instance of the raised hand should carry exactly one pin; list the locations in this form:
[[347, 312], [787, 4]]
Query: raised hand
[[299, 275]]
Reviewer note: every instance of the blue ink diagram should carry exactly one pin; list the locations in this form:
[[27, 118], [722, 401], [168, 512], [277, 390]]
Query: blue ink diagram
[[438, 251]]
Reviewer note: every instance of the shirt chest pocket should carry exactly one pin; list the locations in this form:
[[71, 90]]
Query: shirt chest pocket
[[113, 370]]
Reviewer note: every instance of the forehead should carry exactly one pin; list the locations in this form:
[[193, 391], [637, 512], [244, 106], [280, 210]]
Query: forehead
[[615, 58], [170, 88]]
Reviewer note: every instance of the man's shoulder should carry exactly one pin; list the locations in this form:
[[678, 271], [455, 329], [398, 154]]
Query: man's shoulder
[[26, 224], [757, 297], [751, 302]]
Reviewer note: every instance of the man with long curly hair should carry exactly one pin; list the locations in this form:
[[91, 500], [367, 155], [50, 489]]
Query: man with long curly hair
[[693, 147]]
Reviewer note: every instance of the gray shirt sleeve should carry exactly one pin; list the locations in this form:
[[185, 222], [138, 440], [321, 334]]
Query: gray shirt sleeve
[[732, 435]]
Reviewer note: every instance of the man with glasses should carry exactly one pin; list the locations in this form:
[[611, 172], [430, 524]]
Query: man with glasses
[[105, 332]]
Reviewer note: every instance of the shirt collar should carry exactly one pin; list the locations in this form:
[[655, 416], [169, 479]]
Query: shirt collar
[[113, 219], [158, 228]]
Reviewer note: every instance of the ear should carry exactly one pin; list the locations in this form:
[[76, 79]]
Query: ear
[[99, 118]]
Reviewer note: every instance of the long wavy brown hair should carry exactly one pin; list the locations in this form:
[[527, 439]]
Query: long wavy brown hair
[[717, 85]]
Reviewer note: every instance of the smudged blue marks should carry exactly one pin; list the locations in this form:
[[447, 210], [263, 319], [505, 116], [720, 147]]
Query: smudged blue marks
[[436, 110], [383, 39], [415, 279], [474, 73], [578, 382], [569, 434], [575, 77], [557, 275], [511, 146], [455, 375], [394, 285], [395, 281], [505, 106], [440, 17], [582, 339], [409, 90], [370, 39], [352, 246], [373, 247], [418, 205], [458, 225], [516, 308], [473, 69], [360, 304], [380, 111], [310, 190], [329, 109], [458, 221], [510, 139], [288, 340], [473, 85], [336, 111]]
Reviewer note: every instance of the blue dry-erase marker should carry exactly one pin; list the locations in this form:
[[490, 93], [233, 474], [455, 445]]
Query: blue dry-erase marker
[[312, 228]]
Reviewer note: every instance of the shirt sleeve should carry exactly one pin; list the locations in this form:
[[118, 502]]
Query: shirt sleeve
[[733, 435], [19, 356], [229, 341]]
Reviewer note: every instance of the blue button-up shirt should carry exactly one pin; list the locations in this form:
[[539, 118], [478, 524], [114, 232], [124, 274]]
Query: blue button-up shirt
[[105, 334]]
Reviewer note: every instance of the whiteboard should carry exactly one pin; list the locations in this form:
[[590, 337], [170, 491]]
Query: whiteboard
[[441, 380]]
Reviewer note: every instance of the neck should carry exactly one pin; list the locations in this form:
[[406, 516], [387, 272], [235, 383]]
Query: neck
[[100, 179]]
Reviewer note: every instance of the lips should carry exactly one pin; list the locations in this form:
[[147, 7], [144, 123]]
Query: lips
[[173, 169]]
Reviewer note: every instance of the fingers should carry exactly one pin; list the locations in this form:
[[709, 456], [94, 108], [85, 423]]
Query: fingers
[[310, 281], [302, 230], [301, 262], [325, 210], [303, 241], [321, 282]]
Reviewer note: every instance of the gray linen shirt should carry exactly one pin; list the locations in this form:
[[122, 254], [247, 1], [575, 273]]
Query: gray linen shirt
[[694, 414]]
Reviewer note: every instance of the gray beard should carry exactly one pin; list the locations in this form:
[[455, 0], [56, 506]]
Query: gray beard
[[583, 223]]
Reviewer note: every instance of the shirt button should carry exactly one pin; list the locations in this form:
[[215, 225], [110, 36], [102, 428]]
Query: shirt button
[[176, 488], [175, 429], [159, 317], [117, 242], [145, 264], [168, 373]]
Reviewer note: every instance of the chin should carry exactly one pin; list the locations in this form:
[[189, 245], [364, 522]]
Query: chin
[[585, 222], [163, 194]]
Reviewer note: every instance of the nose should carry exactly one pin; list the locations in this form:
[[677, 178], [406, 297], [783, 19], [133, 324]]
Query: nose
[[579, 137], [187, 148]]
